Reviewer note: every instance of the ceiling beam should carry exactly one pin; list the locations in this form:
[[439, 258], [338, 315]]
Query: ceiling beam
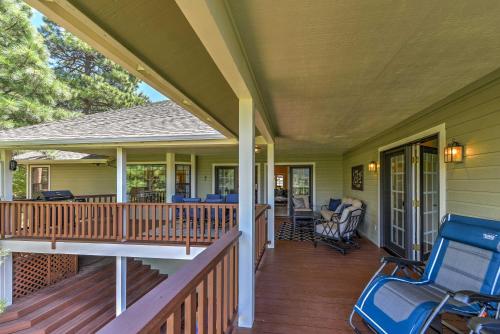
[[70, 18], [211, 21]]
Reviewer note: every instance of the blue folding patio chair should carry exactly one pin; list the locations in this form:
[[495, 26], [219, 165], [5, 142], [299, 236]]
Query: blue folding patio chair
[[461, 277]]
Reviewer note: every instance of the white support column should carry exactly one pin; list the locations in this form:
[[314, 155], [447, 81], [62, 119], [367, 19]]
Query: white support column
[[7, 176], [246, 255], [121, 175], [270, 195], [121, 262], [170, 191], [6, 279], [121, 284], [193, 175]]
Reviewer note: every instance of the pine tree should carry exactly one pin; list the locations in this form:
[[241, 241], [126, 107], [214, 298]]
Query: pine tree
[[97, 83], [29, 90]]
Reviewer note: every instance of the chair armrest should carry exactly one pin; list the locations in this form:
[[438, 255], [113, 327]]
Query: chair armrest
[[484, 325], [468, 297], [402, 262]]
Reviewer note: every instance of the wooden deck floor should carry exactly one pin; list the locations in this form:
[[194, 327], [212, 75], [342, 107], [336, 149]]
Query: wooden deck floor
[[302, 289]]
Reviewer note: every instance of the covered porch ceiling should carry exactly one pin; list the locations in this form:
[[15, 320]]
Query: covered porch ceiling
[[328, 75]]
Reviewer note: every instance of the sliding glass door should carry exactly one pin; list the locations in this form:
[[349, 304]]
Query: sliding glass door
[[301, 182]]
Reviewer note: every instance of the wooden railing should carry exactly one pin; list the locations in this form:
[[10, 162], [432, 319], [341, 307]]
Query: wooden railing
[[260, 233], [148, 197], [202, 297], [186, 223], [104, 198]]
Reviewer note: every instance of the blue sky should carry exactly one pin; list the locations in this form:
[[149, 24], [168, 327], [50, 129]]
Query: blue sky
[[154, 95]]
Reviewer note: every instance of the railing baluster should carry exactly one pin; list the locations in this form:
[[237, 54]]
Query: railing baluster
[[212, 312], [202, 315], [174, 322], [190, 313]]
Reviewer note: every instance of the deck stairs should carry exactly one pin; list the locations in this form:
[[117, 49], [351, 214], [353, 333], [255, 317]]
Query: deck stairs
[[81, 304]]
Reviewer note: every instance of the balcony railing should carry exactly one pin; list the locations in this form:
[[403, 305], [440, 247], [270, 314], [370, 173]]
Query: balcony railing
[[186, 223], [202, 297]]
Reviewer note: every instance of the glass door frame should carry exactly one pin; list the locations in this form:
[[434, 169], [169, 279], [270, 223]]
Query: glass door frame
[[385, 195]]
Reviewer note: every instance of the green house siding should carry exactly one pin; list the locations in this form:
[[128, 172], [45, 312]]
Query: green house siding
[[329, 178], [83, 179], [471, 117]]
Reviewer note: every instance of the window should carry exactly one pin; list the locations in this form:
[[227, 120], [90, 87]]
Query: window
[[39, 181], [280, 181], [145, 179], [183, 180], [226, 180]]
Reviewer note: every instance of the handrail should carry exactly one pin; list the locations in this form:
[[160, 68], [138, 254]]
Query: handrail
[[179, 223], [260, 233], [98, 198], [205, 290]]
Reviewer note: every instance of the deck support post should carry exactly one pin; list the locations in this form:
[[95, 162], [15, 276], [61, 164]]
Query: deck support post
[[7, 176], [6, 279], [121, 284], [270, 195], [170, 191], [121, 262], [246, 257], [193, 175]]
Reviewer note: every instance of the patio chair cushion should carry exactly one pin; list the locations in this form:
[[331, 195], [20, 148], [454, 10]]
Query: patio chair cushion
[[327, 214], [298, 203], [305, 198], [326, 229], [333, 204], [303, 210]]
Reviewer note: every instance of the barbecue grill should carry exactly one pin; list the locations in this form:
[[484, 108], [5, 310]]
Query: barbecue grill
[[60, 196]]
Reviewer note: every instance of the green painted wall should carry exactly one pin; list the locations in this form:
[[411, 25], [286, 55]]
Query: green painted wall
[[83, 179], [472, 117], [329, 177]]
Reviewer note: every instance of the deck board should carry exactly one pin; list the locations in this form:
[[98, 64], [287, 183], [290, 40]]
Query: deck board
[[302, 289]]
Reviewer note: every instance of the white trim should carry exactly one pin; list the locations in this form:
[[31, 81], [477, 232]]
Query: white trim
[[57, 162], [101, 143], [102, 249], [193, 175], [440, 131], [233, 164], [310, 163], [6, 279], [121, 284], [110, 140], [162, 162], [30, 167], [269, 187]]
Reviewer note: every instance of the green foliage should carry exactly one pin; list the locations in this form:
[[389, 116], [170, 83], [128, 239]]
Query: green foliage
[[29, 90], [19, 182], [97, 84]]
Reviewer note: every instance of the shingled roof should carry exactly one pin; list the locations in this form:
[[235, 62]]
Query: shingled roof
[[160, 121]]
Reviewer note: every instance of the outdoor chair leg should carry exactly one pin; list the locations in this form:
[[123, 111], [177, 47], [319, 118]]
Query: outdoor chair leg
[[434, 314], [351, 323]]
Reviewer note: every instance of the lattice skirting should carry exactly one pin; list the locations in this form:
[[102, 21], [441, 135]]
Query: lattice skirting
[[303, 232], [35, 271]]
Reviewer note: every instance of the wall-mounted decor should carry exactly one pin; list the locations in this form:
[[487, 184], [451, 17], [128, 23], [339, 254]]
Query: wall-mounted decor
[[357, 177]]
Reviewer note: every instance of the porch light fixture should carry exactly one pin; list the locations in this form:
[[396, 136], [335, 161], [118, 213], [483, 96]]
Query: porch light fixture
[[372, 166], [257, 149], [453, 152]]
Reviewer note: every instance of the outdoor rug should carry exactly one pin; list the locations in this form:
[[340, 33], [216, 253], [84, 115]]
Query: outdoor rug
[[303, 232]]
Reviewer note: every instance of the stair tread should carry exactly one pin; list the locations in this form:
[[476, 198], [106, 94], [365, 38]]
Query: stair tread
[[75, 311]]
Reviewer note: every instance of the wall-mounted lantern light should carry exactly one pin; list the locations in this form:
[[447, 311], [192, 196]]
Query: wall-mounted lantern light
[[13, 165], [453, 152], [257, 149], [372, 166]]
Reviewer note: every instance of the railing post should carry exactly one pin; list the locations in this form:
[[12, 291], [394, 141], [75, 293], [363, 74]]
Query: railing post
[[246, 219], [170, 191]]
